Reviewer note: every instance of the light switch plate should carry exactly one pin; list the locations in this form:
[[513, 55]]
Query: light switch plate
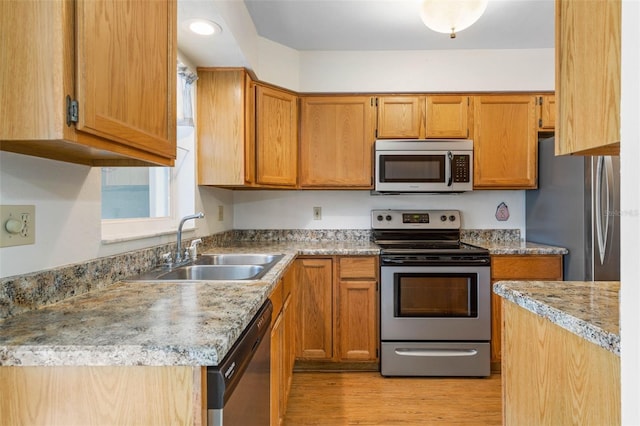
[[22, 233]]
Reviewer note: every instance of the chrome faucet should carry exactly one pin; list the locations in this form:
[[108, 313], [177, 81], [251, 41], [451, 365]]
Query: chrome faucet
[[179, 258]]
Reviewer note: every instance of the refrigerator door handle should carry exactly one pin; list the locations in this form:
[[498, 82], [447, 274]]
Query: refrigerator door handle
[[603, 207]]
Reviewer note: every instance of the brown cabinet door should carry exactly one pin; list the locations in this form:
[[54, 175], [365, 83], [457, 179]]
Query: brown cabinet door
[[276, 137], [505, 142], [588, 67], [447, 116], [517, 267], [546, 112], [336, 142], [357, 308], [126, 72], [400, 117], [357, 325], [314, 311], [222, 133], [277, 369]]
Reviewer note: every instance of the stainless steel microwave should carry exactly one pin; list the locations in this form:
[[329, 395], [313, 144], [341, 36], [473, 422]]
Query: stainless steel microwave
[[423, 165]]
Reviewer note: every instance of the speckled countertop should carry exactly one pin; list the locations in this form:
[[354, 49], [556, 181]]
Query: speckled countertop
[[518, 247], [587, 309], [141, 323]]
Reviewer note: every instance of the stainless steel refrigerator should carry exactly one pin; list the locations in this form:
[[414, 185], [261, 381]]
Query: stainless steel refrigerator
[[577, 206]]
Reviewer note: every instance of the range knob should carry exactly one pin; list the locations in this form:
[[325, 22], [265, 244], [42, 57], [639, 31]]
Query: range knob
[[380, 218], [443, 218], [389, 217], [452, 218]]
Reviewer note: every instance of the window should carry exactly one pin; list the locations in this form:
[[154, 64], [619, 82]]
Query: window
[[146, 201]]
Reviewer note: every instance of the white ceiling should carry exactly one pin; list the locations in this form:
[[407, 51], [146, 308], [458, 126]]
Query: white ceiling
[[365, 25]]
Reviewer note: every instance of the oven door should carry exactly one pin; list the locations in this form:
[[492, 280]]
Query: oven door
[[435, 303]]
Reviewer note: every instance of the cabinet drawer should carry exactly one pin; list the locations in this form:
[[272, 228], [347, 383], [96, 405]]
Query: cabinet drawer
[[537, 267], [358, 267]]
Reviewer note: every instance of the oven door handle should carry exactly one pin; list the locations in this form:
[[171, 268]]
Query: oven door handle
[[435, 352], [449, 171]]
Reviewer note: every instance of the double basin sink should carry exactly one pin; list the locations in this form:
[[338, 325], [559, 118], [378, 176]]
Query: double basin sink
[[216, 267]]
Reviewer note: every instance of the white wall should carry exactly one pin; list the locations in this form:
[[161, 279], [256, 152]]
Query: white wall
[[630, 208], [424, 71], [68, 223], [351, 209]]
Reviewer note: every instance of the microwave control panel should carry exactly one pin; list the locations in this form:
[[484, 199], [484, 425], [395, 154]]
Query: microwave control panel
[[461, 168]]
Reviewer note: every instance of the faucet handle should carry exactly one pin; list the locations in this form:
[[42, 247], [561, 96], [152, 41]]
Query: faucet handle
[[167, 260], [193, 248]]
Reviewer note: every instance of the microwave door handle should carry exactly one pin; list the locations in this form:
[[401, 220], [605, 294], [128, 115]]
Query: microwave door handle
[[448, 169]]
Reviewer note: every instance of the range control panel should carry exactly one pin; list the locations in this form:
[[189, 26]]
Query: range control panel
[[420, 219]]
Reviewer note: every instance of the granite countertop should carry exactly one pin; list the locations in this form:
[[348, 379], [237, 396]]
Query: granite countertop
[[188, 323], [515, 247], [143, 323], [588, 309]]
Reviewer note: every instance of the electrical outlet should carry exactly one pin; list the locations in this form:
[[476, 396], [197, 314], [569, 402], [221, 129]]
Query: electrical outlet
[[317, 213], [220, 213], [17, 225]]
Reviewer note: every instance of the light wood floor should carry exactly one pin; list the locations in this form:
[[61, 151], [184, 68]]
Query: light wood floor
[[366, 398]]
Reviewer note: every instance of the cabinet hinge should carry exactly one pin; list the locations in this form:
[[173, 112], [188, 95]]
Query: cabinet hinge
[[540, 100], [539, 122], [376, 133], [72, 111], [376, 101], [468, 101]]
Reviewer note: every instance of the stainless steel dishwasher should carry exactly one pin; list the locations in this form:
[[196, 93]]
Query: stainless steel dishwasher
[[238, 388]]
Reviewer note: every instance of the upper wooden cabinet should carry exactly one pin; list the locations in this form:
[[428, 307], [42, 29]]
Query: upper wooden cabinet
[[400, 117], [423, 116], [225, 106], [546, 105], [119, 68], [588, 77], [505, 142], [276, 130], [247, 132], [448, 116], [336, 142]]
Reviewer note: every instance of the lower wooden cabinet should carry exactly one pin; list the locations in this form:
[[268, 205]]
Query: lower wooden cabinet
[[550, 376], [516, 267], [282, 347], [337, 312]]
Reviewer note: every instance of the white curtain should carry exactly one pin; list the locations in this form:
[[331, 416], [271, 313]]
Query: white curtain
[[186, 78]]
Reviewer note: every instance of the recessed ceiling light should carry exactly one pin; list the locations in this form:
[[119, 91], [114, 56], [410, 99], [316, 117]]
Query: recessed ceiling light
[[203, 27]]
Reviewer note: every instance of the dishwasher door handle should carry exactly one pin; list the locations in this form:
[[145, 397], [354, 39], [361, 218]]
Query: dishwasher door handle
[[435, 352]]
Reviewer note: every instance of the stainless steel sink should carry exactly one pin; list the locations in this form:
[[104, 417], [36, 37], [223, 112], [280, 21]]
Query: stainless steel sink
[[216, 267], [214, 273], [237, 259]]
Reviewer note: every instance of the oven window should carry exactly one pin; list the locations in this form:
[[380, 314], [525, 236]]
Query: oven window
[[436, 295], [412, 168]]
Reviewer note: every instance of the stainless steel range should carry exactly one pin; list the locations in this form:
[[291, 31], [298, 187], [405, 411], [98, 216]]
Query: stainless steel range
[[435, 300]]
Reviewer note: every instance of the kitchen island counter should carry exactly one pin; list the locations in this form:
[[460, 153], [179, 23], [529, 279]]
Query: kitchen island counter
[[588, 309], [563, 337]]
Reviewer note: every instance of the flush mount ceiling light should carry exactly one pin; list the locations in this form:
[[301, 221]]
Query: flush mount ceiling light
[[203, 27], [451, 16]]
